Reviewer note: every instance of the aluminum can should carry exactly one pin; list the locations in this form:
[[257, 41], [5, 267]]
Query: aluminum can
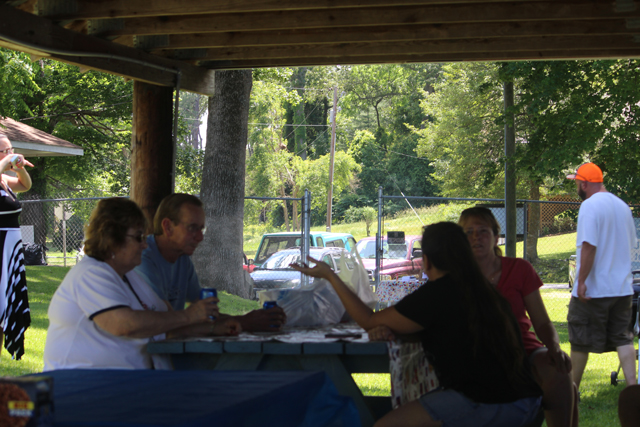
[[208, 293], [269, 304]]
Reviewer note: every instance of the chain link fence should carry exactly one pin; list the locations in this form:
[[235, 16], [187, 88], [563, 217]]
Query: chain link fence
[[546, 230], [57, 226], [546, 236]]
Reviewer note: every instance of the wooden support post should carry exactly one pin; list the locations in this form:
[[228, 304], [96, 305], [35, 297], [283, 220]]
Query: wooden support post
[[151, 146]]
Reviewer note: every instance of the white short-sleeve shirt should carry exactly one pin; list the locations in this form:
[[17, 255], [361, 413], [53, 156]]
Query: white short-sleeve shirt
[[605, 221], [74, 341]]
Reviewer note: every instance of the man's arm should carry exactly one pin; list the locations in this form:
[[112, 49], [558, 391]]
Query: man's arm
[[270, 320], [587, 255]]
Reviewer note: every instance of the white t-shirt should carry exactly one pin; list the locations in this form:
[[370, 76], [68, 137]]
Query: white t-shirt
[[74, 341], [605, 222]]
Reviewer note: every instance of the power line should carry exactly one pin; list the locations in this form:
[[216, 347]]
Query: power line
[[70, 113], [308, 144], [288, 124]]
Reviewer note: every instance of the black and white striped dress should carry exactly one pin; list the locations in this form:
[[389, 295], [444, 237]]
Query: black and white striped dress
[[15, 316]]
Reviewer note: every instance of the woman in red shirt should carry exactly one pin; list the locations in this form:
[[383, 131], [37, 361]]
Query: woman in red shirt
[[518, 282]]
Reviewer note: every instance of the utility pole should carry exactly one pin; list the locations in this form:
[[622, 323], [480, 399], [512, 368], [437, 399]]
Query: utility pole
[[333, 149], [509, 171]]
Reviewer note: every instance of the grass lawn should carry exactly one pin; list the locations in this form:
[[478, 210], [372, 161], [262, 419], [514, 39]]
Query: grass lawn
[[599, 398]]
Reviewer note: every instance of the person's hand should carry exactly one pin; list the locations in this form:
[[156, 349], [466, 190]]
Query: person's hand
[[202, 310], [320, 270], [270, 320], [582, 292], [381, 333], [20, 162], [226, 326], [559, 359]]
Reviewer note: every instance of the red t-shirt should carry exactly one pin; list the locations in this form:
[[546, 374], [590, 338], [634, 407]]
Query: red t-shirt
[[518, 280]]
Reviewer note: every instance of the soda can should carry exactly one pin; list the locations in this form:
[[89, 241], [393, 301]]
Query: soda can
[[208, 293], [269, 304]]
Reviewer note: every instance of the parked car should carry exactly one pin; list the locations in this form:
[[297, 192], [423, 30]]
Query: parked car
[[274, 242], [397, 259], [275, 272]]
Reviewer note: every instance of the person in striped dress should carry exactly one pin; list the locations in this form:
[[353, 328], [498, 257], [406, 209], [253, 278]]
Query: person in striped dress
[[15, 317]]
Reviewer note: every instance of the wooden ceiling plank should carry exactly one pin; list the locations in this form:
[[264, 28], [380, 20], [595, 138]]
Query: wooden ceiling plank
[[40, 36], [390, 33], [102, 9], [431, 58], [288, 20], [414, 47]]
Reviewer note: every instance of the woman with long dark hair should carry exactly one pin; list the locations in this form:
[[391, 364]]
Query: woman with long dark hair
[[468, 333]]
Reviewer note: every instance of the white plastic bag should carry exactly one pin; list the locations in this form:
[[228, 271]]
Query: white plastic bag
[[316, 305], [354, 275]]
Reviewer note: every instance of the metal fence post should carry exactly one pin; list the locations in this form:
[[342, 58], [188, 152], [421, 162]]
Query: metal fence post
[[376, 273], [525, 227], [64, 237], [306, 231]]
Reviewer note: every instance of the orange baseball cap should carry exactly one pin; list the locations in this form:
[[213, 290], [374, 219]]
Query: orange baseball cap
[[588, 172]]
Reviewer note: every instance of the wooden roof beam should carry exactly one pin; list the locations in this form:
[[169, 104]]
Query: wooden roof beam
[[547, 55], [560, 10], [384, 34], [63, 10], [336, 51], [29, 33]]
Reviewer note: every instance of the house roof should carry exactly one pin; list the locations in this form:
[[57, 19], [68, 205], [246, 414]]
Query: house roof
[[32, 142], [152, 41]]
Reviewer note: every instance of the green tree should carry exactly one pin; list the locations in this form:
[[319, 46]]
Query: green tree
[[366, 214]]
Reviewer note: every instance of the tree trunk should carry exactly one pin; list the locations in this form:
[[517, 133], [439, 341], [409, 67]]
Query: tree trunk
[[285, 209], [294, 210], [218, 260], [300, 132], [192, 112], [533, 222]]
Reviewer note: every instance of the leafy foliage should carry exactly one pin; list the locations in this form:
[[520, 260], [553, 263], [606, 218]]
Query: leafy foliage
[[566, 113]]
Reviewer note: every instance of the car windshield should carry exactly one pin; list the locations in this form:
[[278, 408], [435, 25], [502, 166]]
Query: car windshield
[[281, 260], [367, 249], [272, 244]]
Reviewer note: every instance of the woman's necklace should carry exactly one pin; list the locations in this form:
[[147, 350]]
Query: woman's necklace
[[496, 275]]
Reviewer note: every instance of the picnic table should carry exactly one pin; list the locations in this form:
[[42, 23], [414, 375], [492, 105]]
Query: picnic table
[[149, 398], [294, 349]]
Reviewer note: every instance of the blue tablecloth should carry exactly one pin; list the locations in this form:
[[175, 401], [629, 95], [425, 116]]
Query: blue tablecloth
[[118, 398]]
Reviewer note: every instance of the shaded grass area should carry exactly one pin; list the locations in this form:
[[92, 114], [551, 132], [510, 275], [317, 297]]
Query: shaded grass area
[[42, 282], [598, 406]]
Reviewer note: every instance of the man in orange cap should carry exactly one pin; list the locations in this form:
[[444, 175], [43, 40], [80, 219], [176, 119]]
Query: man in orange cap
[[600, 306]]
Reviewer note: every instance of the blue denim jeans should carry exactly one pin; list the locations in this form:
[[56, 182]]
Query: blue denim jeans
[[456, 410]]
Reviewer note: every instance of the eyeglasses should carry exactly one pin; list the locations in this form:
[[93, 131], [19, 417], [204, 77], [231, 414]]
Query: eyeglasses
[[138, 237], [7, 151], [194, 228]]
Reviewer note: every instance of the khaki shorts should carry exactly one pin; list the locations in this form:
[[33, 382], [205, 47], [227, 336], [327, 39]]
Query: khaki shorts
[[599, 325]]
